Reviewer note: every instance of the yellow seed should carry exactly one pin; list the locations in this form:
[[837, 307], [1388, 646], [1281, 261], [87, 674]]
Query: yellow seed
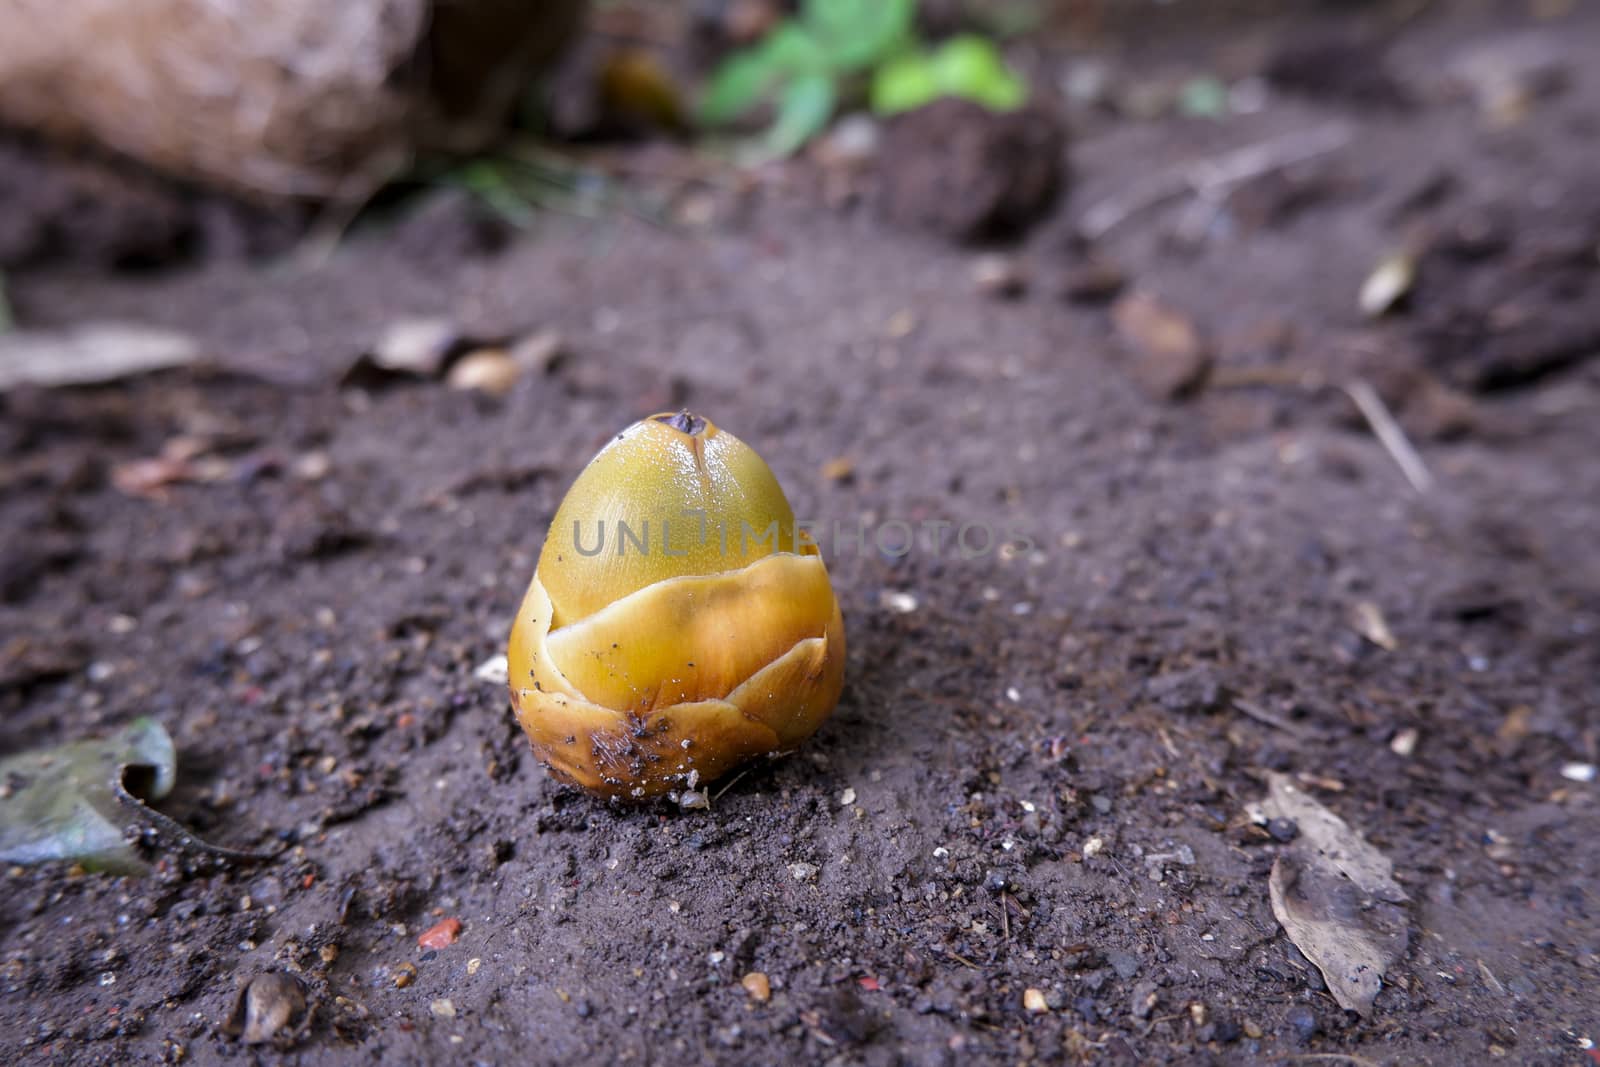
[[758, 986], [679, 621]]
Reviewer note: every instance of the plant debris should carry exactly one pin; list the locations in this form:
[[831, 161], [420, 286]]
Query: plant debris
[[1335, 896], [1171, 359], [91, 354], [270, 1007], [62, 803]]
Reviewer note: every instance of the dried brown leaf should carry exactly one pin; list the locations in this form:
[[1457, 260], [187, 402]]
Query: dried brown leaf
[[1171, 359], [1336, 896]]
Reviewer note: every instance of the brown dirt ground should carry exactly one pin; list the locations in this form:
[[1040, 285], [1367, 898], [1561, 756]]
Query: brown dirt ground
[[310, 640]]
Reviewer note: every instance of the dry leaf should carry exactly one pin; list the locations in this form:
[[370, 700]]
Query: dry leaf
[[1367, 619], [89, 355], [1172, 359], [1335, 896]]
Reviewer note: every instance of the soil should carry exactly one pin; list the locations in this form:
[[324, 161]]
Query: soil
[[1021, 733]]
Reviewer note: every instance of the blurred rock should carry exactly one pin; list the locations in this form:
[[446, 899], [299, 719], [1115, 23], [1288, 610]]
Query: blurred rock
[[968, 173], [274, 98]]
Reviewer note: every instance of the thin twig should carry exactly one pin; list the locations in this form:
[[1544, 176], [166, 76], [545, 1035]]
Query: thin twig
[[1330, 1057], [1262, 715], [1389, 434], [731, 783], [179, 836], [1211, 178]]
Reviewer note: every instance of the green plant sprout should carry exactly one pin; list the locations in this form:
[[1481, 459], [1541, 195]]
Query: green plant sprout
[[836, 49]]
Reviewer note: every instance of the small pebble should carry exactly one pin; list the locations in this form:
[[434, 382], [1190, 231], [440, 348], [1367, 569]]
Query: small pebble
[[758, 986], [1093, 283], [1143, 1000], [495, 670], [443, 1008], [802, 872], [1302, 1023], [440, 934], [1033, 1001], [490, 371], [1126, 964], [898, 602], [999, 276], [1282, 829]]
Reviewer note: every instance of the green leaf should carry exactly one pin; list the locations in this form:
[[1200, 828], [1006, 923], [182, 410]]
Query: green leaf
[[62, 802], [855, 34], [803, 110], [735, 87], [971, 67], [746, 78], [1204, 97], [794, 49], [904, 84]]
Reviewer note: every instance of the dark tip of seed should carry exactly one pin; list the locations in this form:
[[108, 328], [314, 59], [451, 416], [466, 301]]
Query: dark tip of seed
[[684, 421]]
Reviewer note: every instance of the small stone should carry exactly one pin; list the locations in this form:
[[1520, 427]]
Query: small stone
[[1170, 360], [1282, 829], [1388, 284], [847, 798], [758, 986], [1033, 1001], [839, 469], [1093, 847], [1143, 1000], [1126, 964], [441, 934], [443, 1008], [267, 1009], [473, 965], [1404, 743], [328, 953], [538, 351], [417, 346], [898, 602], [802, 872], [1251, 1030], [1093, 283], [999, 276], [496, 670], [900, 325], [1302, 1022], [490, 371], [1578, 772], [969, 173]]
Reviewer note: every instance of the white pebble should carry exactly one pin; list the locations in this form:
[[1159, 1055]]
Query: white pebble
[[495, 670], [898, 602]]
